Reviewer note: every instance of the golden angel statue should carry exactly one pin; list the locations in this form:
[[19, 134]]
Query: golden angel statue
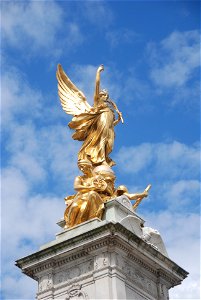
[[94, 125]]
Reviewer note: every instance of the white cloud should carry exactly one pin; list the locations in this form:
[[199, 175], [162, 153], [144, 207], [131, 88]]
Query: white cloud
[[139, 157], [136, 90], [182, 193], [43, 154], [168, 159], [98, 13], [30, 20], [175, 59], [35, 25], [18, 98], [74, 35], [16, 287], [60, 150], [25, 212]]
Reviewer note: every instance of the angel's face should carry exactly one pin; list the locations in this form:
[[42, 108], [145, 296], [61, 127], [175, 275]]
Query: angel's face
[[104, 96]]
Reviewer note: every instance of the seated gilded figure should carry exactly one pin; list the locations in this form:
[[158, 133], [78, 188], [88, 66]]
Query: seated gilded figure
[[93, 189]]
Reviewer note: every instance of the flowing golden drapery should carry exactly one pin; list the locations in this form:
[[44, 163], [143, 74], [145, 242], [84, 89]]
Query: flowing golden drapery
[[96, 129], [85, 205]]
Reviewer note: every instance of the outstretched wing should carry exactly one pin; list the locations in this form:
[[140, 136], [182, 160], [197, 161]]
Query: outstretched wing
[[73, 101]]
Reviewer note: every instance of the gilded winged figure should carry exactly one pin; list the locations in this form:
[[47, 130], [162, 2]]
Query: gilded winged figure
[[94, 125]]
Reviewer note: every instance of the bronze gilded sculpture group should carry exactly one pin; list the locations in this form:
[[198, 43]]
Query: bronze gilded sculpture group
[[94, 125]]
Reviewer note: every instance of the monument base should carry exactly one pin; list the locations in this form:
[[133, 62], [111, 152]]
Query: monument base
[[113, 258]]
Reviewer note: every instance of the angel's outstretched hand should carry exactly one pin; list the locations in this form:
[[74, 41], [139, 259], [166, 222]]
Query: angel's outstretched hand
[[100, 68]]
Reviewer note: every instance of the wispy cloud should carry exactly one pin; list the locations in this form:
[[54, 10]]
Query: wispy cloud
[[97, 13], [174, 66], [184, 191], [172, 159], [23, 23], [175, 59], [18, 287], [18, 98], [36, 25], [121, 36]]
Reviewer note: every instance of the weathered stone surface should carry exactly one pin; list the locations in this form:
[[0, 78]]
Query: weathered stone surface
[[110, 259]]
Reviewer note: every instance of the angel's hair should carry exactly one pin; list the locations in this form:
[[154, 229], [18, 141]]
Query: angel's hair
[[103, 92]]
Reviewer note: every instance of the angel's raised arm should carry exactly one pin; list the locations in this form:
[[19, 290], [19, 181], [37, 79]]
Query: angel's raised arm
[[97, 84]]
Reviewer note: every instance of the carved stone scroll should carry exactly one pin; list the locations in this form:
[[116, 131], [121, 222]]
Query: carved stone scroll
[[75, 293]]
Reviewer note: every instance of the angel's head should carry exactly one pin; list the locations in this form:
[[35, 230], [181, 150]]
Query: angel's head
[[104, 95]]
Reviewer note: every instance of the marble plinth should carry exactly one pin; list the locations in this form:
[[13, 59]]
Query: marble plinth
[[114, 258]]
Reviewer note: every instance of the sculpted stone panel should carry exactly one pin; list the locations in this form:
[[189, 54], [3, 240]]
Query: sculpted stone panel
[[141, 280], [70, 273], [120, 263], [163, 291], [100, 261], [45, 282]]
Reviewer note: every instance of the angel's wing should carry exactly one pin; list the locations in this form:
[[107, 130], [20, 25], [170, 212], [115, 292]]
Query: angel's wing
[[72, 99]]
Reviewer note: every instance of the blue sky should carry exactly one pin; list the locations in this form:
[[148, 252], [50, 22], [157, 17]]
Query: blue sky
[[150, 50]]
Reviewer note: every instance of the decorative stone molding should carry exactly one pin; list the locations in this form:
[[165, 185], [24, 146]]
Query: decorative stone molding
[[45, 282], [163, 291], [75, 293], [101, 261], [76, 271]]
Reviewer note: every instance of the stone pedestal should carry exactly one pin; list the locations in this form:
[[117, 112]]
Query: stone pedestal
[[114, 258]]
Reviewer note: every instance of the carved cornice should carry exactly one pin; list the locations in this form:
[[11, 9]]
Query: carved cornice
[[167, 278], [109, 235]]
